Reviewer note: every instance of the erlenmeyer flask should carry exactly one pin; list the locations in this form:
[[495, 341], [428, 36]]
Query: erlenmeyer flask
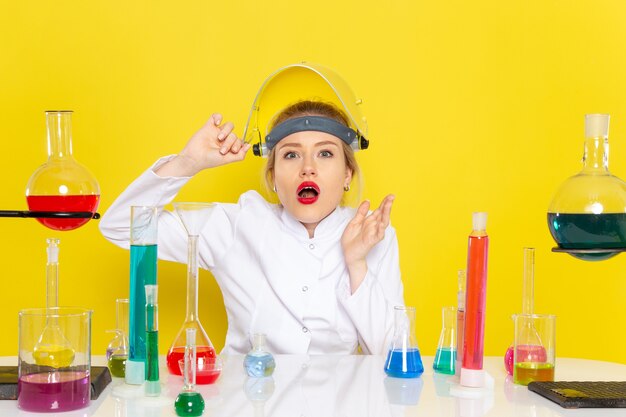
[[193, 216], [117, 350], [62, 184], [445, 357], [587, 216], [404, 359]]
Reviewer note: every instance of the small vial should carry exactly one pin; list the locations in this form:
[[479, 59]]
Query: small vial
[[259, 362]]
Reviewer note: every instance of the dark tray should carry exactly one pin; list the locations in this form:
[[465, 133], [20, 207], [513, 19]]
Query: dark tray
[[100, 378], [583, 394]]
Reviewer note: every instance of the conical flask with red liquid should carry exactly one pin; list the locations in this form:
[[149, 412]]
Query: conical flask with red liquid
[[193, 216], [62, 184]]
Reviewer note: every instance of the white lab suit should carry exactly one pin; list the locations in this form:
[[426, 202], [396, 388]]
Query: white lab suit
[[274, 278]]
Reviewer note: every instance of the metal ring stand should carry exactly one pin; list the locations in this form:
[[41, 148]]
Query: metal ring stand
[[50, 214]]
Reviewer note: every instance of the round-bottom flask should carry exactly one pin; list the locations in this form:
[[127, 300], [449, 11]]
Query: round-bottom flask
[[587, 216], [62, 184], [259, 362]]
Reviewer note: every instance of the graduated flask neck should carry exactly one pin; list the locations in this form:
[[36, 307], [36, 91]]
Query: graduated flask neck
[[59, 127], [192, 279]]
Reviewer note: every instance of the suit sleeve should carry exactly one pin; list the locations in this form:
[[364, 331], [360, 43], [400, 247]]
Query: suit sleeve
[[371, 307]]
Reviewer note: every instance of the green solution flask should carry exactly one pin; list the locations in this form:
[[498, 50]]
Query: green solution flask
[[189, 402]]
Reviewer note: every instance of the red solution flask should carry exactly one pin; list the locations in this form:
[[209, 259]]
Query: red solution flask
[[62, 184]]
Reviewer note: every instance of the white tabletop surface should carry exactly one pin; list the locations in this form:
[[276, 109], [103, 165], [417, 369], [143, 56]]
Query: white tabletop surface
[[325, 386]]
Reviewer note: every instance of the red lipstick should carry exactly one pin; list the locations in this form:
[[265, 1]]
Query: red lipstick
[[308, 192]]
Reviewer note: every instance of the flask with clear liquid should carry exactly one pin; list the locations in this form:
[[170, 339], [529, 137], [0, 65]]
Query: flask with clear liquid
[[587, 215], [404, 359], [62, 185]]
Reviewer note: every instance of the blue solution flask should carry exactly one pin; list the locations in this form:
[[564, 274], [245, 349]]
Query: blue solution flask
[[259, 362], [404, 359]]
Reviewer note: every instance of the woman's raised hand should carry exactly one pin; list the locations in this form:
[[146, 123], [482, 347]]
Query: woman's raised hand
[[361, 235], [213, 145]]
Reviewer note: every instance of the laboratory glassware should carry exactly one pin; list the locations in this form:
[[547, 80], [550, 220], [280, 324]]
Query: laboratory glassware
[[53, 349], [404, 359], [534, 362], [445, 357], [259, 362], [117, 350], [259, 391], [460, 319], [152, 387], [533, 342], [143, 271], [49, 389], [62, 185], [193, 216], [298, 82], [587, 215], [189, 402], [472, 373]]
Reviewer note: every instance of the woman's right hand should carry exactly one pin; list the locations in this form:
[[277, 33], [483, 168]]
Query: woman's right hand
[[213, 145]]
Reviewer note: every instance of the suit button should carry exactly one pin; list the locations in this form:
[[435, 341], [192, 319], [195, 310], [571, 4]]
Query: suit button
[[311, 246], [305, 330]]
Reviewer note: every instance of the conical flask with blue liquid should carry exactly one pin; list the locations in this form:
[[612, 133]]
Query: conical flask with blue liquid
[[404, 359]]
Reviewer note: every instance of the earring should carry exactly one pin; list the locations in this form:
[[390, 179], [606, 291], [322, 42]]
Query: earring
[[274, 188], [346, 187]]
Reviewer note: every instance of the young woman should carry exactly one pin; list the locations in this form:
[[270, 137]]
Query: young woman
[[314, 276]]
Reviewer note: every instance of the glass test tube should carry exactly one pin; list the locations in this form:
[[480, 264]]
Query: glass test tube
[[472, 373], [143, 271], [153, 387]]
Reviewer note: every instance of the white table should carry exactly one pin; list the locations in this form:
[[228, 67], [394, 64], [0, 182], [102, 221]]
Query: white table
[[325, 386]]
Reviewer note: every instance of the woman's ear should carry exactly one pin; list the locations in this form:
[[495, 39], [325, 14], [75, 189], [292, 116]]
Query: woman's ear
[[348, 176]]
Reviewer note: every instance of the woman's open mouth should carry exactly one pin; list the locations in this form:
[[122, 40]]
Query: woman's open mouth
[[308, 192]]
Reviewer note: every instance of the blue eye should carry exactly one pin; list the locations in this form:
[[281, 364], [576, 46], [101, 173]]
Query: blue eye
[[326, 154], [290, 155]]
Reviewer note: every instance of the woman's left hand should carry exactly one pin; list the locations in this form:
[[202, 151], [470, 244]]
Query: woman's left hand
[[362, 234]]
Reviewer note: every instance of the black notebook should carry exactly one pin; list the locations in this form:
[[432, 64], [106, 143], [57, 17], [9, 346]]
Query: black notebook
[[100, 378], [583, 394]]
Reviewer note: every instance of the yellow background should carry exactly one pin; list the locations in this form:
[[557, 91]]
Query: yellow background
[[471, 106]]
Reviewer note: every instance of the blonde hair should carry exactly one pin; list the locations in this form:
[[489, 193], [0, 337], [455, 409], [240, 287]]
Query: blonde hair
[[311, 108]]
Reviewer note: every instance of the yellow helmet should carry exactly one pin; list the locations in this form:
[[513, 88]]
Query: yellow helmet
[[297, 82]]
